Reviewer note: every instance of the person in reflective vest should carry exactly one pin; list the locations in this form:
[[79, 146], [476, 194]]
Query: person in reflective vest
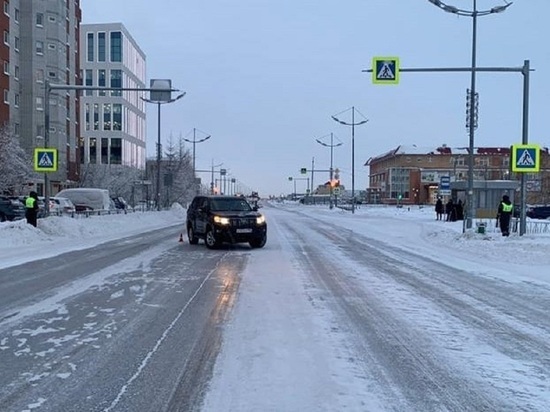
[[31, 208], [504, 214]]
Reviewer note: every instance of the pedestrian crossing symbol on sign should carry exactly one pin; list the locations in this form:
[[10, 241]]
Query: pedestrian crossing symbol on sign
[[45, 160], [525, 158], [385, 70]]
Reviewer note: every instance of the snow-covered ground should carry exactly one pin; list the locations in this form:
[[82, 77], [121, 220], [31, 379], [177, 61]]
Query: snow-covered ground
[[411, 228], [303, 353]]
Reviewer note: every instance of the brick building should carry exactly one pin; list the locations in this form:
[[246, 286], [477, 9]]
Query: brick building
[[411, 174]]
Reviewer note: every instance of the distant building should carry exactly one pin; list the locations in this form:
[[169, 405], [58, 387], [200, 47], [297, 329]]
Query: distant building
[[113, 126], [412, 174]]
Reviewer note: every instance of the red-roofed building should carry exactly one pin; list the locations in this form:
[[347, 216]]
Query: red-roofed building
[[414, 172]]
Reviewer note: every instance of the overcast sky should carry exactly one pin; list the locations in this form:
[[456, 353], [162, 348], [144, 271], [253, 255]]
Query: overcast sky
[[263, 77]]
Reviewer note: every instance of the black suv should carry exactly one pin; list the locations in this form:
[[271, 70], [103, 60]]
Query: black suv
[[11, 209], [218, 219], [538, 212]]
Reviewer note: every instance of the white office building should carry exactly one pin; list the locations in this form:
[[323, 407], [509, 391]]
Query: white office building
[[113, 129]]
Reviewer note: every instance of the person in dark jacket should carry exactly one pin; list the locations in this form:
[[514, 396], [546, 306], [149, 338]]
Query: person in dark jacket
[[505, 210], [450, 211], [31, 208], [459, 210], [439, 209]]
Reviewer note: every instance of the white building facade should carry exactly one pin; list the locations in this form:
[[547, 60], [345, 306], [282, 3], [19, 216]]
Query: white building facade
[[113, 123]]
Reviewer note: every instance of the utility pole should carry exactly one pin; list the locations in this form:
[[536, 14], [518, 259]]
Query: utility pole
[[352, 124]]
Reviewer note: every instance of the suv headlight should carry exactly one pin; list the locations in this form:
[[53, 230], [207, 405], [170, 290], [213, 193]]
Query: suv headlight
[[221, 220], [260, 220]]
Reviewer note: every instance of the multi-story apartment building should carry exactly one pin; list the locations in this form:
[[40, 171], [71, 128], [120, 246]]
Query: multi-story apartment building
[[5, 19], [412, 174], [113, 125], [43, 38]]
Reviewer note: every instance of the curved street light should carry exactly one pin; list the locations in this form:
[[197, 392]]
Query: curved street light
[[332, 146], [352, 124], [194, 142], [474, 14], [158, 103]]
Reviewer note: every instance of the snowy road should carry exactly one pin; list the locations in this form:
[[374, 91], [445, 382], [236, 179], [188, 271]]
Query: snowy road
[[400, 331], [132, 325], [336, 313]]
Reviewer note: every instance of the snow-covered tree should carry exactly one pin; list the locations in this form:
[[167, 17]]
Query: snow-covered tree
[[15, 164]]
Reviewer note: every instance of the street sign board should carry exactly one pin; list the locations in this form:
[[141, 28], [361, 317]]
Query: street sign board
[[336, 191], [525, 158], [45, 160], [303, 170], [444, 185], [385, 70]]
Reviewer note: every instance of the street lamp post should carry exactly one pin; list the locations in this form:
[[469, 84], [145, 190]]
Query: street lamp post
[[331, 170], [194, 142], [159, 98], [474, 14], [352, 124]]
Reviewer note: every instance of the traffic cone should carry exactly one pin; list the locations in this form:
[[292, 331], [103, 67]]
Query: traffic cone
[[181, 237]]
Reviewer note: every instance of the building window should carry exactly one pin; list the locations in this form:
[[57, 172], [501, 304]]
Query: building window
[[116, 151], [93, 150], [117, 116], [90, 47], [6, 67], [40, 131], [116, 46], [87, 117], [52, 46], [39, 47], [106, 116], [16, 100], [16, 129], [96, 116], [89, 81], [101, 81], [51, 19], [16, 44], [39, 103], [16, 15], [39, 20], [39, 75], [104, 150], [6, 8], [53, 75], [6, 37], [16, 72], [6, 96], [116, 81], [101, 47]]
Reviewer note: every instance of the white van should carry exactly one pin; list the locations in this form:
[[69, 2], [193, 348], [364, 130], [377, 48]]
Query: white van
[[95, 199]]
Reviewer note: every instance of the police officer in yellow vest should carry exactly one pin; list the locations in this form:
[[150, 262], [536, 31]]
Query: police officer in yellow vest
[[31, 208], [504, 214]]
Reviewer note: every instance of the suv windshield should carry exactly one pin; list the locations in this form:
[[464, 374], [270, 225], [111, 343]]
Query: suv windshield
[[221, 205]]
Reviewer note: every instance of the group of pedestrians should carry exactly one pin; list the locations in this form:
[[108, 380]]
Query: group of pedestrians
[[455, 211], [452, 211]]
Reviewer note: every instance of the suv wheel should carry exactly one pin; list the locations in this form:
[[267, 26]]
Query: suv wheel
[[258, 243], [210, 239], [193, 240]]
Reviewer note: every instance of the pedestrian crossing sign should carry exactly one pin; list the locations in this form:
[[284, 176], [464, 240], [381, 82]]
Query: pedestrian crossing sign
[[385, 70], [45, 160], [525, 158]]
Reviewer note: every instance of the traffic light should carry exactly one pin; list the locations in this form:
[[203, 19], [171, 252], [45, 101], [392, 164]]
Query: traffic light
[[303, 170]]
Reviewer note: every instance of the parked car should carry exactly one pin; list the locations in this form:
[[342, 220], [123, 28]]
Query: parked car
[[11, 209], [218, 219], [120, 203], [61, 205], [538, 212], [88, 198]]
